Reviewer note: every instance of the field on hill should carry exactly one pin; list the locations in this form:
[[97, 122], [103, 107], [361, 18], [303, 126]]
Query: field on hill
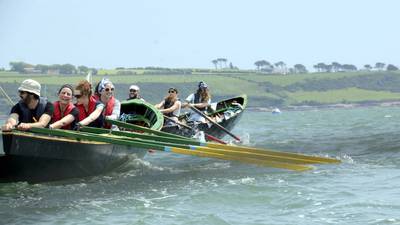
[[264, 90]]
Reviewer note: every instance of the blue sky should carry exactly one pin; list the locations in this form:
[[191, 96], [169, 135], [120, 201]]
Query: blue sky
[[181, 34]]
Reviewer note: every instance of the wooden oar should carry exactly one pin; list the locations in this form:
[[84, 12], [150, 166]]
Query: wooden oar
[[277, 153], [146, 145], [189, 146], [239, 154], [213, 122], [208, 136], [227, 149]]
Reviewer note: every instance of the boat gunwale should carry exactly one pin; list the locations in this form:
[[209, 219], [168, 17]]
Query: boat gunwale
[[52, 138]]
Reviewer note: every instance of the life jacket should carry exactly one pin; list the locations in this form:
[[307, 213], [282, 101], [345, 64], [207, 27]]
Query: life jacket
[[27, 116], [83, 113], [108, 111], [197, 99], [57, 115]]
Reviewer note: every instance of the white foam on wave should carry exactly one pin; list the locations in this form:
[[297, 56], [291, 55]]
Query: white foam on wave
[[346, 158], [246, 180]]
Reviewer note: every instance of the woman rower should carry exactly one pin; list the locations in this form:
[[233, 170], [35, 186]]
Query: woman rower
[[170, 106], [200, 100], [65, 115], [105, 93], [90, 109]]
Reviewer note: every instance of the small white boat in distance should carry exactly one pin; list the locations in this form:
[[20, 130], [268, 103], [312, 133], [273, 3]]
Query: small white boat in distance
[[276, 111]]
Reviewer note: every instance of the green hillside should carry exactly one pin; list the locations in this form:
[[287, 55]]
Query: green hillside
[[264, 90]]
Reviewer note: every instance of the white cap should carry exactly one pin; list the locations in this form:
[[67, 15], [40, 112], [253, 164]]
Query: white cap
[[30, 86], [134, 87]]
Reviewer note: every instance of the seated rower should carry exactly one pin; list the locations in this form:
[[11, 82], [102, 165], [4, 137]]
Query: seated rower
[[105, 94], [170, 106], [31, 111], [201, 99], [134, 93], [66, 115], [90, 109]]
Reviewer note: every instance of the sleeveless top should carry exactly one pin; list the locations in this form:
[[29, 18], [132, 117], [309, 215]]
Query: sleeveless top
[[168, 104]]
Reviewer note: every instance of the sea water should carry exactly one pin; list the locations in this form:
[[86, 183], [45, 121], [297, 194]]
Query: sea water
[[167, 188]]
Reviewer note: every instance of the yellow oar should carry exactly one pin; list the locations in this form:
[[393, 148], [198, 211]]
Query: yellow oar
[[227, 149], [243, 155], [314, 159], [260, 162]]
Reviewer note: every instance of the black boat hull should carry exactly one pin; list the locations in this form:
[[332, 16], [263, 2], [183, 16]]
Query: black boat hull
[[40, 158]]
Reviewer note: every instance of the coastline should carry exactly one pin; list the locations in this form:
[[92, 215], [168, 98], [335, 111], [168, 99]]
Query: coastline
[[328, 106]]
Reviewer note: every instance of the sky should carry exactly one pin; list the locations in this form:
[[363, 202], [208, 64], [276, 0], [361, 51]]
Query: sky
[[190, 34]]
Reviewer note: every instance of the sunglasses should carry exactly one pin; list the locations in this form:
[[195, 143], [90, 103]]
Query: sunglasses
[[22, 92], [109, 89], [78, 96], [171, 91], [133, 90]]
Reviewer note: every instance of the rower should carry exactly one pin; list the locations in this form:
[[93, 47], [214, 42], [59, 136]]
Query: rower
[[200, 100], [134, 93], [66, 115], [170, 106], [31, 111], [105, 93], [90, 109]]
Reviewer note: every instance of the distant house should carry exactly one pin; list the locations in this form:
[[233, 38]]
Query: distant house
[[31, 70], [53, 71]]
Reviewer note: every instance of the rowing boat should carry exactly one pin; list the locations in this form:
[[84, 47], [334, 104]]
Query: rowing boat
[[226, 113], [36, 157]]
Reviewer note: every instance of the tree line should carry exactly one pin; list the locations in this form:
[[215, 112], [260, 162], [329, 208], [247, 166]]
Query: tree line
[[263, 66], [23, 67], [221, 63], [281, 67]]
